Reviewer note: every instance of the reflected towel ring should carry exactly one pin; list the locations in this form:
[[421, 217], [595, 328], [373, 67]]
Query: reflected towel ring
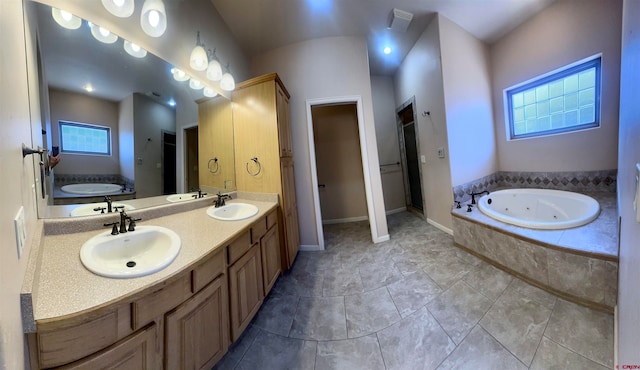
[[215, 160], [255, 160]]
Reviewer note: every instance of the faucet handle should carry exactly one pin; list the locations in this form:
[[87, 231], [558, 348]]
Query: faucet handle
[[101, 209], [132, 223], [114, 229]]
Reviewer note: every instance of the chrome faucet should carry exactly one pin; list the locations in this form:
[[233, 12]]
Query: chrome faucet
[[473, 196]]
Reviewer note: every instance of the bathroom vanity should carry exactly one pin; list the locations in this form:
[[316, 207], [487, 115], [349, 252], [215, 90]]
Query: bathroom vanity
[[184, 316]]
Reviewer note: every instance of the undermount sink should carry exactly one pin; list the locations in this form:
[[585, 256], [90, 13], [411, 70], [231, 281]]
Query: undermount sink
[[233, 211], [173, 198], [89, 209], [142, 252]]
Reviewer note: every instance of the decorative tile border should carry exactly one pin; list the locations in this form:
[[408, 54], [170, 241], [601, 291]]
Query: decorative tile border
[[65, 179], [585, 181]]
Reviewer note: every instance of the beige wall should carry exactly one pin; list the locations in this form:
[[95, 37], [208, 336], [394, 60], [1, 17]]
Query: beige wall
[[629, 155], [17, 176], [323, 68], [565, 32], [467, 92], [420, 75], [68, 106], [384, 108], [150, 119], [339, 162]]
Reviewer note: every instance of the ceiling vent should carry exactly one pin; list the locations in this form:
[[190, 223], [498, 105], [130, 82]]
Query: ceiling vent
[[399, 20]]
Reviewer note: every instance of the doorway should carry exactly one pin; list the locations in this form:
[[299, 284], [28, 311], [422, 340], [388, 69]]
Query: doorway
[[373, 226], [339, 163], [192, 180], [409, 149], [169, 162]]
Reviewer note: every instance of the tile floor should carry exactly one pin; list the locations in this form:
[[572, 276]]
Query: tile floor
[[414, 302]]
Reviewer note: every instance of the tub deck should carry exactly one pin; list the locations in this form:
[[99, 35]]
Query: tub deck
[[579, 264]]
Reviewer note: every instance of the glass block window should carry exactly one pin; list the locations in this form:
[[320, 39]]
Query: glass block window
[[83, 138], [566, 100]]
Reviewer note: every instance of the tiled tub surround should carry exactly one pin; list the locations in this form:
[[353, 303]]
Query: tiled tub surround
[[579, 264], [591, 181]]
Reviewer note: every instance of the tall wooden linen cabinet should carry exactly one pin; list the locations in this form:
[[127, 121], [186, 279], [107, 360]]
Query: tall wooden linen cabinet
[[264, 154]]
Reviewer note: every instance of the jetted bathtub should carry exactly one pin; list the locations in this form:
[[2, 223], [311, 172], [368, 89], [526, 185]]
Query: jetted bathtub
[[540, 208], [92, 189]]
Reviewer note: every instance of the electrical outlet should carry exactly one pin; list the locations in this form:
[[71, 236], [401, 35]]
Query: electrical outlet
[[21, 231], [440, 152], [228, 184], [423, 159]]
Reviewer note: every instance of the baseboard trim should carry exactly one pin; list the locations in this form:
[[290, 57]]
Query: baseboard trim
[[441, 227], [344, 220], [310, 248], [397, 210], [382, 238]]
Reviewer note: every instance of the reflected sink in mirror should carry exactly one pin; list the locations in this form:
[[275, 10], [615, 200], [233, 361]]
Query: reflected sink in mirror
[[92, 209], [233, 211], [137, 253], [174, 198]]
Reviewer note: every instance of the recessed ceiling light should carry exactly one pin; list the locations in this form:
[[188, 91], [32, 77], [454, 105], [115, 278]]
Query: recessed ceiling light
[[386, 50]]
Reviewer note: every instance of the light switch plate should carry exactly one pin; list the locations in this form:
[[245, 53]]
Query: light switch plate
[[21, 231]]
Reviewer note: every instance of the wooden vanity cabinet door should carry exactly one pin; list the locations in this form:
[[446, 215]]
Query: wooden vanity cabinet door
[[197, 332], [271, 262], [136, 352], [245, 290]]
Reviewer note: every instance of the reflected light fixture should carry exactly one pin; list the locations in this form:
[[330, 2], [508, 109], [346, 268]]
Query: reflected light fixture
[[119, 8], [209, 92], [88, 87], [179, 74], [102, 34], [198, 59], [134, 50], [66, 19], [227, 82], [195, 84], [214, 69], [153, 18], [172, 102]]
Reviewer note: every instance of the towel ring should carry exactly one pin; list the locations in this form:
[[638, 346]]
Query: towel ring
[[255, 160], [215, 161]]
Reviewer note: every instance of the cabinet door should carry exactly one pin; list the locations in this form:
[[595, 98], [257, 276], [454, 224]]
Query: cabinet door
[[197, 332], [284, 123], [245, 290], [271, 263], [290, 212], [136, 352]]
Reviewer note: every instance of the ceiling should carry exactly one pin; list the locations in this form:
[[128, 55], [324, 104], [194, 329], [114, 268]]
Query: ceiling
[[267, 24]]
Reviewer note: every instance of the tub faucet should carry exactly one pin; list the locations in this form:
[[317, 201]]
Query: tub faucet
[[473, 196], [108, 200]]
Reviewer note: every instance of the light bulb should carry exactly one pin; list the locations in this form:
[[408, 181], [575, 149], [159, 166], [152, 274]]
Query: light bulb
[[119, 8], [214, 70], [104, 32], [154, 18], [66, 19], [179, 74], [66, 15], [198, 59], [135, 47], [195, 84], [134, 50], [227, 83]]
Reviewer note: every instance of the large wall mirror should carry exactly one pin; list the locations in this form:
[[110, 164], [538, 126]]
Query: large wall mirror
[[88, 86]]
